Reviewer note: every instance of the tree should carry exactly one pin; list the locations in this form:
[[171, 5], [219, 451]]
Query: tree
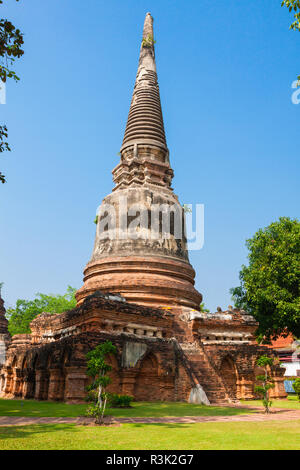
[[11, 41], [266, 381], [20, 317], [293, 6], [3, 146], [97, 368], [270, 285], [296, 387]]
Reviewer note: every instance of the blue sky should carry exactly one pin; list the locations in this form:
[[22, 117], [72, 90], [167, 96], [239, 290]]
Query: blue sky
[[225, 70]]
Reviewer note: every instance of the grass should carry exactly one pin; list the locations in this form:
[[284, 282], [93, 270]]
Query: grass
[[280, 435], [139, 409], [272, 435], [40, 408], [160, 409], [291, 403]]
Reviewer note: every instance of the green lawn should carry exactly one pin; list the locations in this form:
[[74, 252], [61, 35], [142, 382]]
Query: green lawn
[[139, 409], [279, 435], [154, 409], [292, 403], [40, 408], [239, 435]]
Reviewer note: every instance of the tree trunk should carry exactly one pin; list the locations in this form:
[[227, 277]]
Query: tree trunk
[[99, 403], [266, 392], [103, 409]]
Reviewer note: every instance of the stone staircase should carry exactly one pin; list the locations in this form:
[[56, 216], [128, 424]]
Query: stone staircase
[[202, 370]]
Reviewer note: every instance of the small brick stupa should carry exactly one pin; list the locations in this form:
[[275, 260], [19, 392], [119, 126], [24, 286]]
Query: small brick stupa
[[139, 294], [4, 335], [3, 321]]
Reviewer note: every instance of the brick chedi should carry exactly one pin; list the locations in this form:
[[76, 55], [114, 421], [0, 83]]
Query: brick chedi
[[145, 269], [139, 293]]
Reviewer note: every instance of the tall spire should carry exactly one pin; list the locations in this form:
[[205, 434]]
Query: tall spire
[[144, 152], [145, 121]]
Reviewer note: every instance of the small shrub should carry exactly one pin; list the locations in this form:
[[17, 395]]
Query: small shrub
[[266, 382], [92, 411], [91, 396], [119, 401], [97, 368], [296, 387]]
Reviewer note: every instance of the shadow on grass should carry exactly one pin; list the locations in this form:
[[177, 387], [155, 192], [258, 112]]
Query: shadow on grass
[[164, 425], [23, 432], [35, 431]]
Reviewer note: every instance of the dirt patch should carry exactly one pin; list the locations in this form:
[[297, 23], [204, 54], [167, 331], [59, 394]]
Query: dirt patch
[[108, 421], [275, 415]]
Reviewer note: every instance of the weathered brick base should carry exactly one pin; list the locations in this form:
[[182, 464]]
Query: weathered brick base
[[162, 355]]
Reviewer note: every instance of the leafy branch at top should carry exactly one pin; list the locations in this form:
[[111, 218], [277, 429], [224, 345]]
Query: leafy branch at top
[[11, 42], [294, 6]]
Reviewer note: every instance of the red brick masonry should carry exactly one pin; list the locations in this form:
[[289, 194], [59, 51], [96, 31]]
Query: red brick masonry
[[174, 354]]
